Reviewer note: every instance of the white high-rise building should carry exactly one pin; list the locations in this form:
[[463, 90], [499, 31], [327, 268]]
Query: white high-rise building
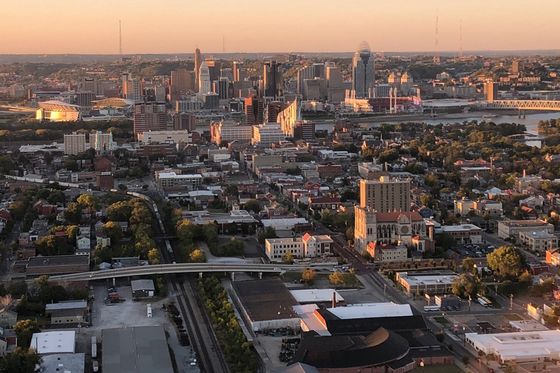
[[74, 143], [101, 142], [205, 84], [363, 71]]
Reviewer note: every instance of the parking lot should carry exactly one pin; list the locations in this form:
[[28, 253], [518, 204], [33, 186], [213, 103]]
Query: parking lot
[[130, 313]]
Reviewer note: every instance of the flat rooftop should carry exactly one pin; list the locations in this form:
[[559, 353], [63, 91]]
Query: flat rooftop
[[39, 261], [267, 299], [520, 345], [68, 305], [62, 363], [371, 310], [460, 228], [524, 223], [433, 279], [55, 342], [140, 349], [315, 295]]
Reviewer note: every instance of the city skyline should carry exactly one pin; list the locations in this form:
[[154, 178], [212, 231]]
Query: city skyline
[[313, 26]]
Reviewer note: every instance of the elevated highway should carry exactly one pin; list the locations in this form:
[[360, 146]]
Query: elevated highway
[[162, 269]]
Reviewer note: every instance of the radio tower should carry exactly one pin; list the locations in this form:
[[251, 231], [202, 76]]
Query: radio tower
[[120, 37], [460, 39], [223, 44], [437, 59]]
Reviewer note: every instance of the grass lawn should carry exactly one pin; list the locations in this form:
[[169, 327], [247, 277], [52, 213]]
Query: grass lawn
[[442, 320], [437, 369]]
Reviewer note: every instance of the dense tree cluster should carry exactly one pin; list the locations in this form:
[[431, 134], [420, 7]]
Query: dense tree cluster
[[238, 352]]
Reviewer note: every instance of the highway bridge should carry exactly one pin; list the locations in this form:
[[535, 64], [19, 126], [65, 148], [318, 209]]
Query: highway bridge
[[160, 269], [537, 105]]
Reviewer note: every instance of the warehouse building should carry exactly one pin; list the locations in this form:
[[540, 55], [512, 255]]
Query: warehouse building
[[266, 304], [68, 312], [142, 288], [534, 346], [140, 349], [426, 283]]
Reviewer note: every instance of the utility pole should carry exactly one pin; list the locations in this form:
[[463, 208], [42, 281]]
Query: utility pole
[[511, 302], [120, 37]]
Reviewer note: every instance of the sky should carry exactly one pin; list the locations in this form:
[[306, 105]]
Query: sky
[[179, 26]]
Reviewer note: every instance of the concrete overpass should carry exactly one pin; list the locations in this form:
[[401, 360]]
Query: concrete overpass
[[160, 269], [536, 105]]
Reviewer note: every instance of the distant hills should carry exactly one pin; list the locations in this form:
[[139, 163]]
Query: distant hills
[[93, 58]]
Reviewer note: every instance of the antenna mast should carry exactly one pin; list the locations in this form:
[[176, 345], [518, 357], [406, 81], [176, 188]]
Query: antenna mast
[[120, 37], [437, 58]]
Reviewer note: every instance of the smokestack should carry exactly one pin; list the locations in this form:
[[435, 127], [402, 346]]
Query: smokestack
[[334, 299]]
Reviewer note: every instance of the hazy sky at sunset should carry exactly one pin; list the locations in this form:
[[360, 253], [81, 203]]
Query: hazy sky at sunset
[[176, 26]]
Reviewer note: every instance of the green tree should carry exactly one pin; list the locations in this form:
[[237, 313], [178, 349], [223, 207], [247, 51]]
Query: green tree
[[253, 205], [506, 262], [468, 265], [197, 256], [336, 278], [153, 256], [466, 285], [22, 360], [24, 330], [86, 201], [288, 258], [308, 275], [113, 231], [267, 232]]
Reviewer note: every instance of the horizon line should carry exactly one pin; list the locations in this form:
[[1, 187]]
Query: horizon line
[[277, 52]]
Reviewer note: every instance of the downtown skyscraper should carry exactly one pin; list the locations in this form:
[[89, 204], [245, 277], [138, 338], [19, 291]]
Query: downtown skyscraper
[[363, 71]]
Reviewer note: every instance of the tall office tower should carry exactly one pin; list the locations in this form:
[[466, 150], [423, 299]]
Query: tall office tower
[[213, 69], [385, 194], [101, 142], [490, 91], [204, 82], [272, 79], [363, 71], [238, 72], [516, 67], [254, 110], [316, 70], [272, 110], [226, 72], [197, 63], [89, 84], [149, 117], [335, 84], [180, 82], [221, 87], [74, 143], [131, 88]]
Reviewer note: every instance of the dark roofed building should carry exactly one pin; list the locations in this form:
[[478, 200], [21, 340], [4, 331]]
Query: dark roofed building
[[140, 349], [379, 348], [57, 265], [266, 304], [363, 326]]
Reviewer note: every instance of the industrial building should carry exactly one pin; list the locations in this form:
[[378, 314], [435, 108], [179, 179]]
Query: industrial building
[[54, 342], [512, 228], [266, 304], [426, 283], [170, 180], [533, 346], [143, 288], [67, 312], [140, 349]]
